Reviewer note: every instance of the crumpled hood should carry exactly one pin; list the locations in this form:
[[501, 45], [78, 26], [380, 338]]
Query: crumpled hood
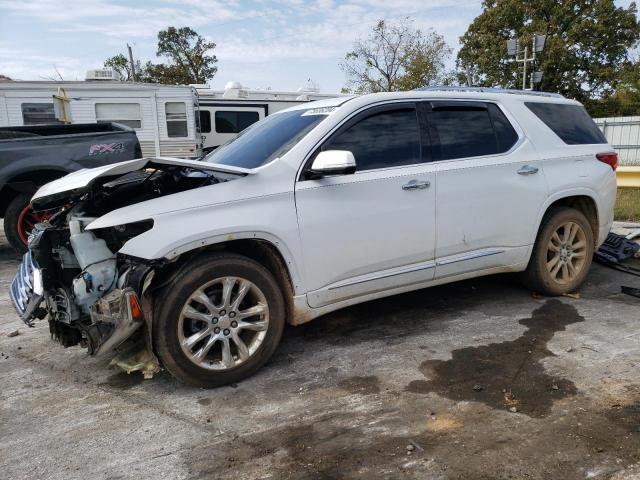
[[82, 180]]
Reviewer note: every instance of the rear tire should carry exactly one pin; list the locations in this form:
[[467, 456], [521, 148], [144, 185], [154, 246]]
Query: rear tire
[[562, 253], [12, 218], [209, 338]]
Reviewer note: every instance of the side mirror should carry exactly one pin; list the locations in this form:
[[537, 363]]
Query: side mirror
[[332, 162]]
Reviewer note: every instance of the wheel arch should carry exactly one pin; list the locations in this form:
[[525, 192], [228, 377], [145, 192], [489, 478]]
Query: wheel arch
[[262, 250], [582, 200]]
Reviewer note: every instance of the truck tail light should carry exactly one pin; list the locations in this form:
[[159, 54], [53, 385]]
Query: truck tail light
[[610, 158]]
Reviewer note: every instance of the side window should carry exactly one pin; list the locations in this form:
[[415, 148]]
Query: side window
[[176, 113], [462, 132], [125, 113], [387, 139], [234, 122], [205, 121], [506, 136], [571, 123], [38, 114]]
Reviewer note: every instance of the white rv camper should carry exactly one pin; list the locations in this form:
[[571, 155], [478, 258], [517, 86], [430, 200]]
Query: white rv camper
[[225, 113], [163, 116]]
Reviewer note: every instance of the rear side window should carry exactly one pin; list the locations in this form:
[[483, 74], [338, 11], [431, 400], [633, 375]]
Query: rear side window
[[571, 123], [387, 139], [234, 122], [470, 130]]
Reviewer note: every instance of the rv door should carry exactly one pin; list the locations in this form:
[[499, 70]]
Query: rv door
[[221, 122]]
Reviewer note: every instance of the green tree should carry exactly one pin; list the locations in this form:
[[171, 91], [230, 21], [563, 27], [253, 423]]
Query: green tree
[[394, 57], [625, 101], [188, 53], [588, 43], [121, 64]]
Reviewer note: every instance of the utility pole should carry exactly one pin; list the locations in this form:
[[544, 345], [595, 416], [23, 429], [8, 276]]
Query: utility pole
[[514, 50], [133, 66]]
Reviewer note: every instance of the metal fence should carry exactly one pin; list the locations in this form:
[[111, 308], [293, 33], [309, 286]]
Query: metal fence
[[624, 134]]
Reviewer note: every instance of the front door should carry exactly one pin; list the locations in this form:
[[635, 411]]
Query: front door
[[372, 230], [490, 188]]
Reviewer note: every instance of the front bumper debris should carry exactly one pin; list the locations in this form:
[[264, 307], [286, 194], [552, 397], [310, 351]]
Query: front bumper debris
[[119, 311], [26, 290]]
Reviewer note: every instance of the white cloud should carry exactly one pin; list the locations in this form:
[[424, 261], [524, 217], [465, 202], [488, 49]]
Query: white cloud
[[250, 35]]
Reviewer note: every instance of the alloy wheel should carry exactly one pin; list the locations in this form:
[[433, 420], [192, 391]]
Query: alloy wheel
[[566, 252], [223, 323]]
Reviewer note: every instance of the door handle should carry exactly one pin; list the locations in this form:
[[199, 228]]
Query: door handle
[[528, 170], [416, 185]]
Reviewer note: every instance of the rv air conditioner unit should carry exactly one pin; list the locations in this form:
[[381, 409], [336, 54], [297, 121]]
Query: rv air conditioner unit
[[234, 90], [102, 74]]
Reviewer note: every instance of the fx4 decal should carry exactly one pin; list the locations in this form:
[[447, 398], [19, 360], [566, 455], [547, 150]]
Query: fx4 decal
[[105, 148]]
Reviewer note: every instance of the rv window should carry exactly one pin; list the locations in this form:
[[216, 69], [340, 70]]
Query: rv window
[[38, 114], [125, 113], [234, 122], [176, 119], [205, 121]]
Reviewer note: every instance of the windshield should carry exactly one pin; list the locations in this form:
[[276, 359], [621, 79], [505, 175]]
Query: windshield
[[267, 139]]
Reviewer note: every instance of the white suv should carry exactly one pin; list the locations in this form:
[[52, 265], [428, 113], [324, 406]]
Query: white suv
[[314, 208]]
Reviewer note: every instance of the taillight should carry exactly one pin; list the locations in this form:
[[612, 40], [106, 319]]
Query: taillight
[[610, 158]]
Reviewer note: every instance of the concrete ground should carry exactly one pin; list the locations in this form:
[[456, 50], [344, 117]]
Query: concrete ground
[[474, 380]]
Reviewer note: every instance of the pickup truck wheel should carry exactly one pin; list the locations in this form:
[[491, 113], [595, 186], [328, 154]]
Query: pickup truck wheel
[[562, 253], [19, 220], [219, 320]]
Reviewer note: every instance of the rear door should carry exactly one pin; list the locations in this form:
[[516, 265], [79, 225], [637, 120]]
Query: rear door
[[490, 187], [373, 230]]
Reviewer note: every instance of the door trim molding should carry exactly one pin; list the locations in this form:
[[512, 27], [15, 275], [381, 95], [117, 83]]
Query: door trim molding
[[469, 256], [384, 274]]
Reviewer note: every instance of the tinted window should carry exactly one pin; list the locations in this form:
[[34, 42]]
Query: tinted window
[[266, 140], [385, 139], [506, 136], [571, 123], [234, 122], [464, 132], [38, 114], [205, 121]]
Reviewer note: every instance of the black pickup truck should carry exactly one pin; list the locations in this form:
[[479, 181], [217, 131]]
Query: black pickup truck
[[31, 156]]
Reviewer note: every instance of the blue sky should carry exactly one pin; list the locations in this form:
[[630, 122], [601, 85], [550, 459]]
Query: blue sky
[[278, 44]]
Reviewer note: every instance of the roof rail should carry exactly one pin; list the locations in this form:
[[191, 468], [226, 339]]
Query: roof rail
[[490, 90]]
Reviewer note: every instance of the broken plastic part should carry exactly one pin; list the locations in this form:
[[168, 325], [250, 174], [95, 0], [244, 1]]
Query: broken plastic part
[[134, 355]]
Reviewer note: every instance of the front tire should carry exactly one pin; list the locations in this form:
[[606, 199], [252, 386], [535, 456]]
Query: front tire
[[219, 320], [562, 253]]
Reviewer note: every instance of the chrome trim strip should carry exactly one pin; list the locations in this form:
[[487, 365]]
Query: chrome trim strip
[[468, 257], [424, 266]]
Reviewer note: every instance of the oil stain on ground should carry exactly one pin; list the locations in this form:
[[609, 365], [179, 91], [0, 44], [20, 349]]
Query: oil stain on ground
[[507, 374]]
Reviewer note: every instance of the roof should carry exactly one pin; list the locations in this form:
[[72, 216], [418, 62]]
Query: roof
[[95, 84], [490, 90]]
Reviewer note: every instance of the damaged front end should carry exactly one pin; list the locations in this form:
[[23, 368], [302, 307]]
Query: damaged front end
[[92, 295], [91, 298]]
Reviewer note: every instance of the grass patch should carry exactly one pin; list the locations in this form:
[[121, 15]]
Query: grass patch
[[627, 207]]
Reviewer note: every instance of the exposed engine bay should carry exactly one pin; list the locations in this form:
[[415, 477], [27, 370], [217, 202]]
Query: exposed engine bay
[[90, 294]]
